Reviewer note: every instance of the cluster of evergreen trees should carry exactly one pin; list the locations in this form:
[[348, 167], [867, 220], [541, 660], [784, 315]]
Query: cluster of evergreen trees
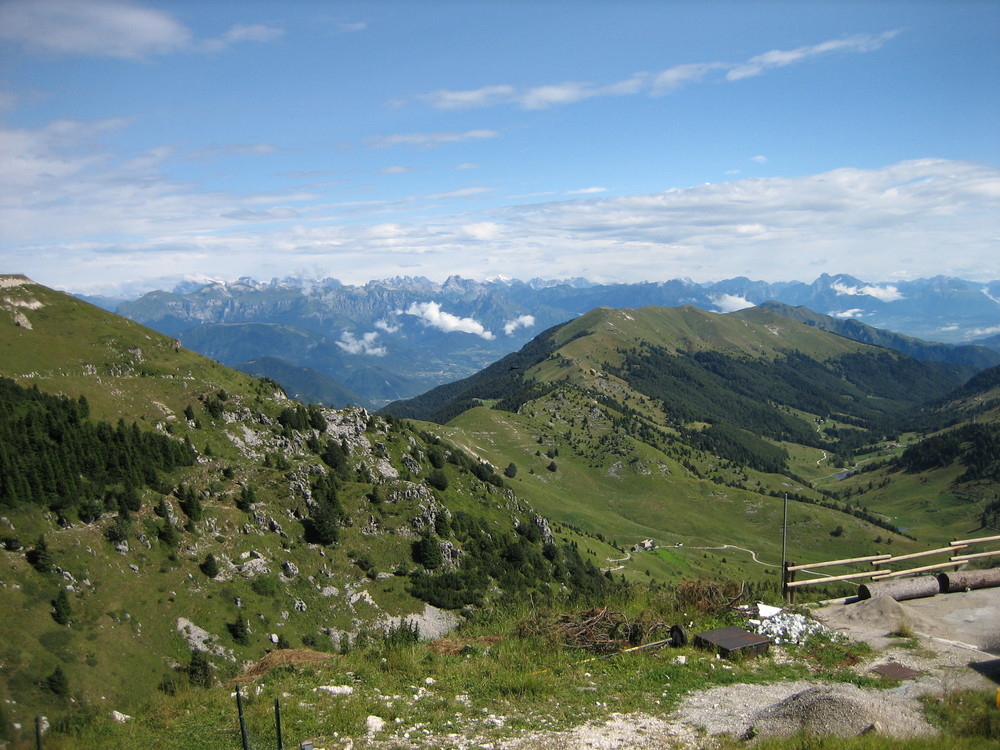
[[518, 563], [976, 446], [745, 399], [52, 454]]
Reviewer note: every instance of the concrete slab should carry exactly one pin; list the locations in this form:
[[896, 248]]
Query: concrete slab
[[970, 618]]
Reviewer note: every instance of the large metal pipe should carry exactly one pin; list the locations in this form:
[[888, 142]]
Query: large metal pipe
[[903, 588], [967, 580]]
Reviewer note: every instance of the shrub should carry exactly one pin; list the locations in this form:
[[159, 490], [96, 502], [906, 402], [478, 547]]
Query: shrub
[[57, 683], [199, 669], [39, 556], [210, 566], [265, 585], [427, 552], [240, 631], [438, 479], [62, 610]]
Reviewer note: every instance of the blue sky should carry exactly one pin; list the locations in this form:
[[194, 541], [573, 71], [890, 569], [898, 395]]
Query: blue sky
[[144, 142]]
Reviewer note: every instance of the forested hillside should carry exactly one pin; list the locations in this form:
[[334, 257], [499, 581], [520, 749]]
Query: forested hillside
[[166, 519], [54, 456]]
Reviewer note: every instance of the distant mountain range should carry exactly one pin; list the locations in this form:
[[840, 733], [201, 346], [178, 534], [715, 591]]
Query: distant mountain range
[[396, 338], [157, 504]]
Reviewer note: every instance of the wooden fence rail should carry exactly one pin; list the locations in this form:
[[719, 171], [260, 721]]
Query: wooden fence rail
[[789, 584]]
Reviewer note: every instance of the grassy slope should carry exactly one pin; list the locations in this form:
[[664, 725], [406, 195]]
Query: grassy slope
[[121, 367], [123, 637], [642, 492]]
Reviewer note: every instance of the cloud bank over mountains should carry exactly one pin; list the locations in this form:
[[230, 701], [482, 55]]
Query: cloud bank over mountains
[[430, 314], [95, 210]]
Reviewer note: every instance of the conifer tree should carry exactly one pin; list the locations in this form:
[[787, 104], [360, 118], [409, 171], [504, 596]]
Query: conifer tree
[[240, 631], [210, 566], [62, 610], [199, 670], [57, 683], [39, 556]]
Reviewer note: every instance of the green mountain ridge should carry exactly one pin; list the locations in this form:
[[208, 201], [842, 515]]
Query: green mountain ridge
[[292, 525], [302, 525], [681, 425], [974, 356]]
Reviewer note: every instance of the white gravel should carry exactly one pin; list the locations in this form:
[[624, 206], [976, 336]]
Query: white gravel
[[785, 708]]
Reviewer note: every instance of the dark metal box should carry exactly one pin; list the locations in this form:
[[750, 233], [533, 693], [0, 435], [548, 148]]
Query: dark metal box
[[733, 640]]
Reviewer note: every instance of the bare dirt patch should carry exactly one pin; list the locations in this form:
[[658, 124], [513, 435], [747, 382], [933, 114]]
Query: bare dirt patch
[[296, 657]]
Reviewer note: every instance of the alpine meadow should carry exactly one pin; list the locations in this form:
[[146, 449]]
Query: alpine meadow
[[168, 521]]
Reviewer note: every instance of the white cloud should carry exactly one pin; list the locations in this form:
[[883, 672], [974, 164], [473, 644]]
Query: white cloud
[[522, 321], [777, 58], [673, 78], [656, 84], [398, 169], [364, 345], [69, 205], [431, 314], [887, 293], [241, 33], [759, 159], [257, 32], [386, 326], [483, 231], [983, 332], [542, 97], [855, 312], [587, 191], [104, 28], [731, 303], [110, 28], [481, 97], [429, 140]]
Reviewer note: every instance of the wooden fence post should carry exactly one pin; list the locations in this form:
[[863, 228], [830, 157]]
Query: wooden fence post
[[787, 576]]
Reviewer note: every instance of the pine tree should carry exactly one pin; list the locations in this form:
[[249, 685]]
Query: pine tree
[[199, 670], [57, 683], [169, 535], [192, 507], [326, 523], [210, 566], [62, 610], [240, 631], [39, 556], [427, 552]]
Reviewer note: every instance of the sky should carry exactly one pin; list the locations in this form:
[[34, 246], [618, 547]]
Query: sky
[[142, 143]]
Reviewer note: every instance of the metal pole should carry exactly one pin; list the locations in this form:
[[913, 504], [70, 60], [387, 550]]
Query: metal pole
[[277, 723], [38, 732], [243, 723]]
